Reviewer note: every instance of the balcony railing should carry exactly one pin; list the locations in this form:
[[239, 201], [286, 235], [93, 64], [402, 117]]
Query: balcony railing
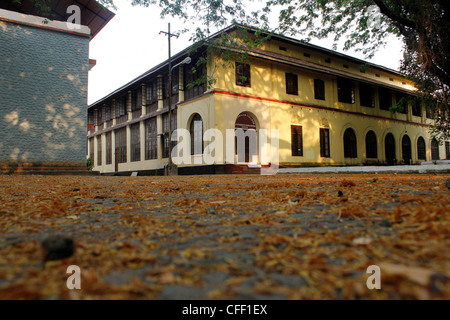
[[122, 119], [136, 113], [99, 126], [151, 108]]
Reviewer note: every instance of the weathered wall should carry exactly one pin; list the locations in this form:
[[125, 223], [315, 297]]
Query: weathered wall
[[43, 94]]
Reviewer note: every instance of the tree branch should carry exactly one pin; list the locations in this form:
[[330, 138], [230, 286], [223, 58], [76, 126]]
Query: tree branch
[[384, 9]]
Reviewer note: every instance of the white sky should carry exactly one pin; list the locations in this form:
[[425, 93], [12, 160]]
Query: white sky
[[130, 44]]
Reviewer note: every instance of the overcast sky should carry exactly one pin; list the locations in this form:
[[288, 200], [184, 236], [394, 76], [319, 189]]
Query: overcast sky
[[130, 44]]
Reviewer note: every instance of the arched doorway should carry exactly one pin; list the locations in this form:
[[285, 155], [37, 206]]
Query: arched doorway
[[406, 149], [350, 150], [245, 138], [371, 145], [389, 148]]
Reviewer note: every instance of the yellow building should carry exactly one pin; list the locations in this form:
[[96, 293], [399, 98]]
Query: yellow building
[[327, 109]]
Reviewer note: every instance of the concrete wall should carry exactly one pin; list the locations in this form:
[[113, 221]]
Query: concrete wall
[[43, 93]]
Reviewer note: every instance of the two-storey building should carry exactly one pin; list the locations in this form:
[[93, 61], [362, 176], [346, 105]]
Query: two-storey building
[[328, 109]]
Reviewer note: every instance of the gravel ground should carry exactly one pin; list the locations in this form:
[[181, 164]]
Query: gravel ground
[[287, 236]]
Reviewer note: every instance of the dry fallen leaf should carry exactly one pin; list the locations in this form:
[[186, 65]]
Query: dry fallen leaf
[[362, 241], [285, 236]]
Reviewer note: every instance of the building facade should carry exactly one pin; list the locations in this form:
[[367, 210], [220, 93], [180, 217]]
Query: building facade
[[327, 108], [44, 68]]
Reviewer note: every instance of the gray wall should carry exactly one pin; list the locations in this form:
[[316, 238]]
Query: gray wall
[[43, 94]]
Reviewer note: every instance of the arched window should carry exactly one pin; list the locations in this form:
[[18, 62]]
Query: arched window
[[350, 150], [434, 150], [406, 149], [389, 148], [371, 145], [196, 132], [421, 149]]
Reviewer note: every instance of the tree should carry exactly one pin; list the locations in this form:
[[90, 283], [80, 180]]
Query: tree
[[423, 26]]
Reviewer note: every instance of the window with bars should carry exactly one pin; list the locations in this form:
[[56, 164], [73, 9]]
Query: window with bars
[[291, 83], [108, 115], [99, 150], [434, 149], [91, 117], [350, 150], [243, 75], [121, 106], [346, 91], [296, 141], [371, 145], [324, 142], [108, 149], [100, 118], [385, 97], [151, 142], [151, 90], [96, 116], [421, 149], [121, 109], [136, 102], [135, 142], [151, 96], [121, 145], [319, 89], [366, 95], [165, 122]]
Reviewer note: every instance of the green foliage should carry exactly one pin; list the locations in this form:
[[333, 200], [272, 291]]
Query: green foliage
[[229, 47], [364, 68], [90, 164], [400, 106], [362, 25], [41, 6]]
